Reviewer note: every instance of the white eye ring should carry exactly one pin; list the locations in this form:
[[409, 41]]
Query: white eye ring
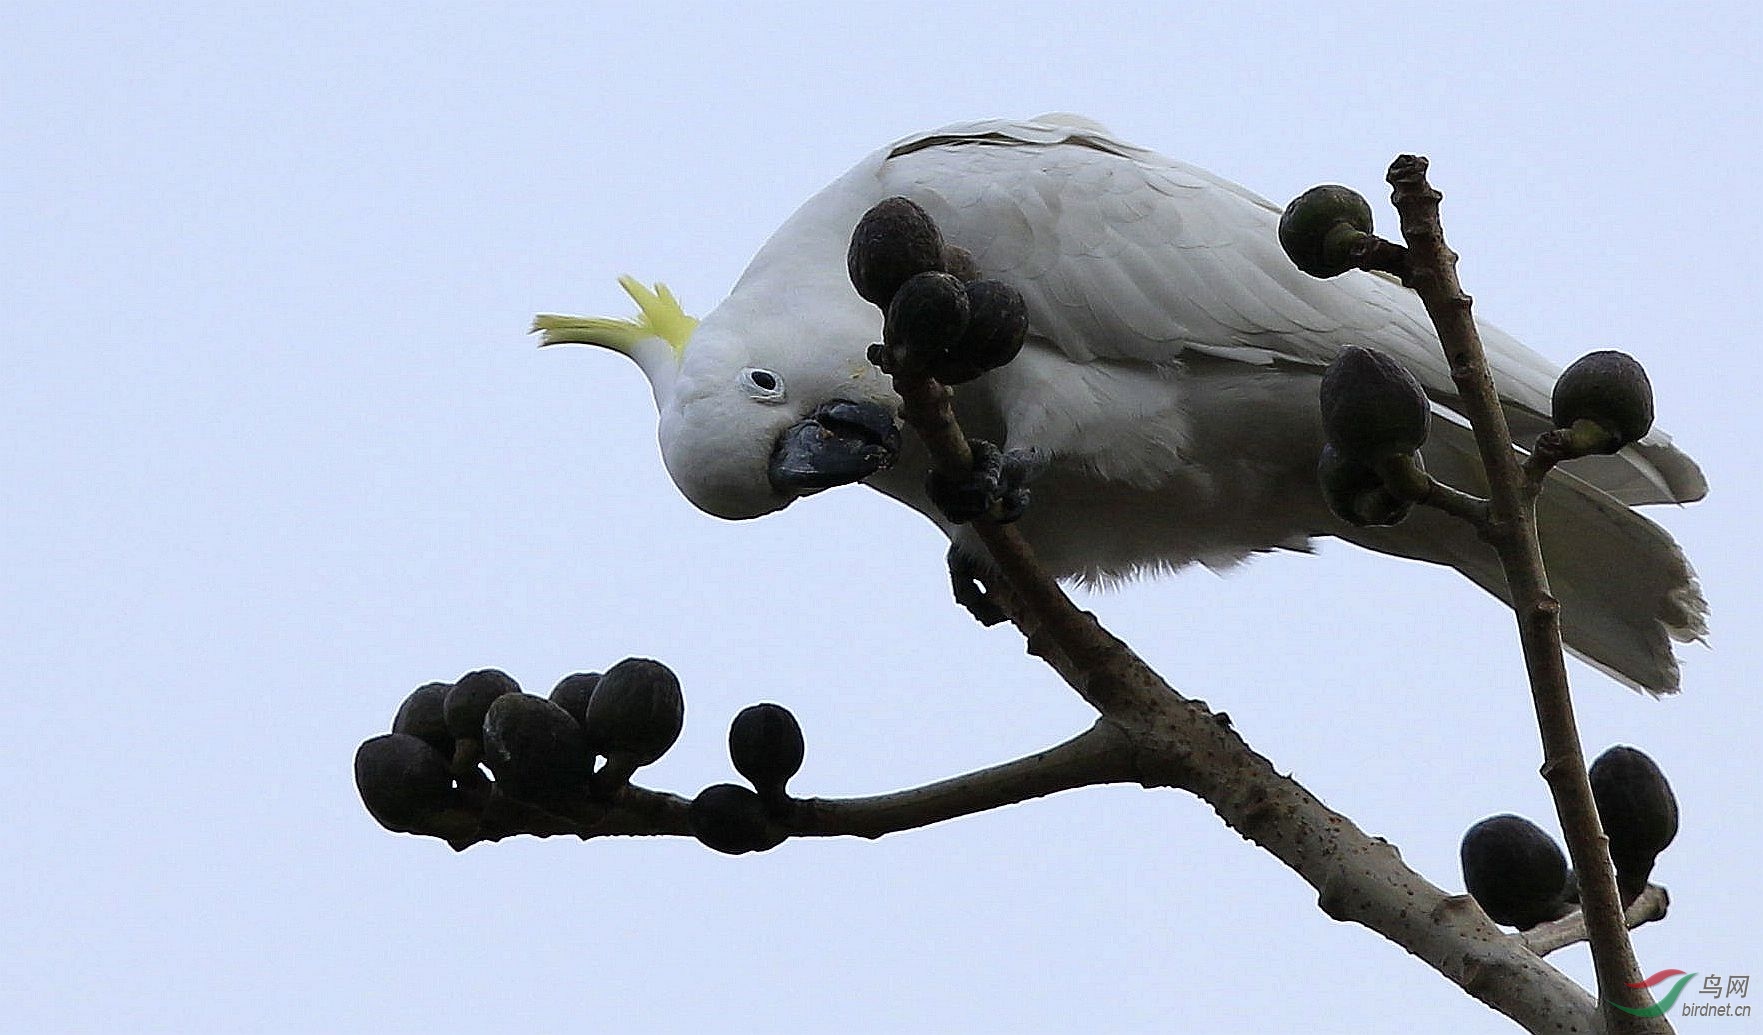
[[762, 385]]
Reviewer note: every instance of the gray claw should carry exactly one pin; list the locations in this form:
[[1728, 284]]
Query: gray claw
[[969, 593], [997, 488]]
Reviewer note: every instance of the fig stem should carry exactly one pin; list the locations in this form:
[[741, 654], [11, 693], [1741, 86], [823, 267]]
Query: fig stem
[[1559, 445], [1407, 480]]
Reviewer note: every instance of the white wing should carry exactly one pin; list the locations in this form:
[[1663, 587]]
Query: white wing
[[1124, 254]]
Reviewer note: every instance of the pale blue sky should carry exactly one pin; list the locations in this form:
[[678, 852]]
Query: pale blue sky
[[279, 450]]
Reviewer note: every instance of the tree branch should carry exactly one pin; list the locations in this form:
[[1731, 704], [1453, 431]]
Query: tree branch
[[1652, 904], [1177, 742], [632, 812], [1511, 529], [1099, 755]]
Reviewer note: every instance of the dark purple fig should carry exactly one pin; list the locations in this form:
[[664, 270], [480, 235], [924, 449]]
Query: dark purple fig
[[572, 692], [1611, 390], [1372, 407], [1356, 493], [406, 787], [535, 748], [1639, 813], [958, 263], [1516, 871], [470, 699], [732, 819], [893, 242], [926, 320], [636, 712], [997, 326], [423, 714], [765, 743]]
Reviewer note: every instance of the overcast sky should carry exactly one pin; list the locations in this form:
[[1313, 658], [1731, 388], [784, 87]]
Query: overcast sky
[[278, 449]]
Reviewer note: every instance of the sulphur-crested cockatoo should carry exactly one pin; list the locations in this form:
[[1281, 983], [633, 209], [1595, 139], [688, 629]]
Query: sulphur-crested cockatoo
[[1170, 380]]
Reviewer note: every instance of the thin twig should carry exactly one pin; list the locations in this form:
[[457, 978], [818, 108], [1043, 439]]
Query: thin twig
[[1373, 254], [1652, 904], [1512, 531], [1099, 755]]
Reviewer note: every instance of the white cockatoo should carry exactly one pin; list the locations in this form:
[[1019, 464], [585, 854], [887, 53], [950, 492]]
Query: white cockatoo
[[1169, 381]]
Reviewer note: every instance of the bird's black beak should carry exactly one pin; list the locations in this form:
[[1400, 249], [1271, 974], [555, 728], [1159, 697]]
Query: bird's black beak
[[839, 443]]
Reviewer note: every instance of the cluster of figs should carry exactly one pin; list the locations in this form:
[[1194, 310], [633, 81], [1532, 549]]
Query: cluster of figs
[[1375, 413], [942, 319], [581, 744], [1516, 872]]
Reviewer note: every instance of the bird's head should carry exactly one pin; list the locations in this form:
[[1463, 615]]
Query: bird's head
[[757, 409]]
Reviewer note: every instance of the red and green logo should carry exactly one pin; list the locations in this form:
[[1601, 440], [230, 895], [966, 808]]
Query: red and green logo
[[1659, 1008]]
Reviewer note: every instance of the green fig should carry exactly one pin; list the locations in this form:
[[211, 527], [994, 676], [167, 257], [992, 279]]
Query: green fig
[[1317, 230]]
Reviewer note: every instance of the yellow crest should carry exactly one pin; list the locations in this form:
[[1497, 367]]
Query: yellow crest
[[658, 316]]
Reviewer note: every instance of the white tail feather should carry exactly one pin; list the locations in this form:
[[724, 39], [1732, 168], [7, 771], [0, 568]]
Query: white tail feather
[[1626, 589]]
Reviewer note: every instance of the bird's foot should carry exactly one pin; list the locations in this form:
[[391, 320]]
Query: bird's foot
[[969, 592], [997, 488]]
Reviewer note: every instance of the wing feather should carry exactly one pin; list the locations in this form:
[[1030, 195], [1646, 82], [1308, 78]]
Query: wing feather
[[1123, 254]]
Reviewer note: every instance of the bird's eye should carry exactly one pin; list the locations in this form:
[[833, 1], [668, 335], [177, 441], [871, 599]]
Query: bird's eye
[[763, 385]]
